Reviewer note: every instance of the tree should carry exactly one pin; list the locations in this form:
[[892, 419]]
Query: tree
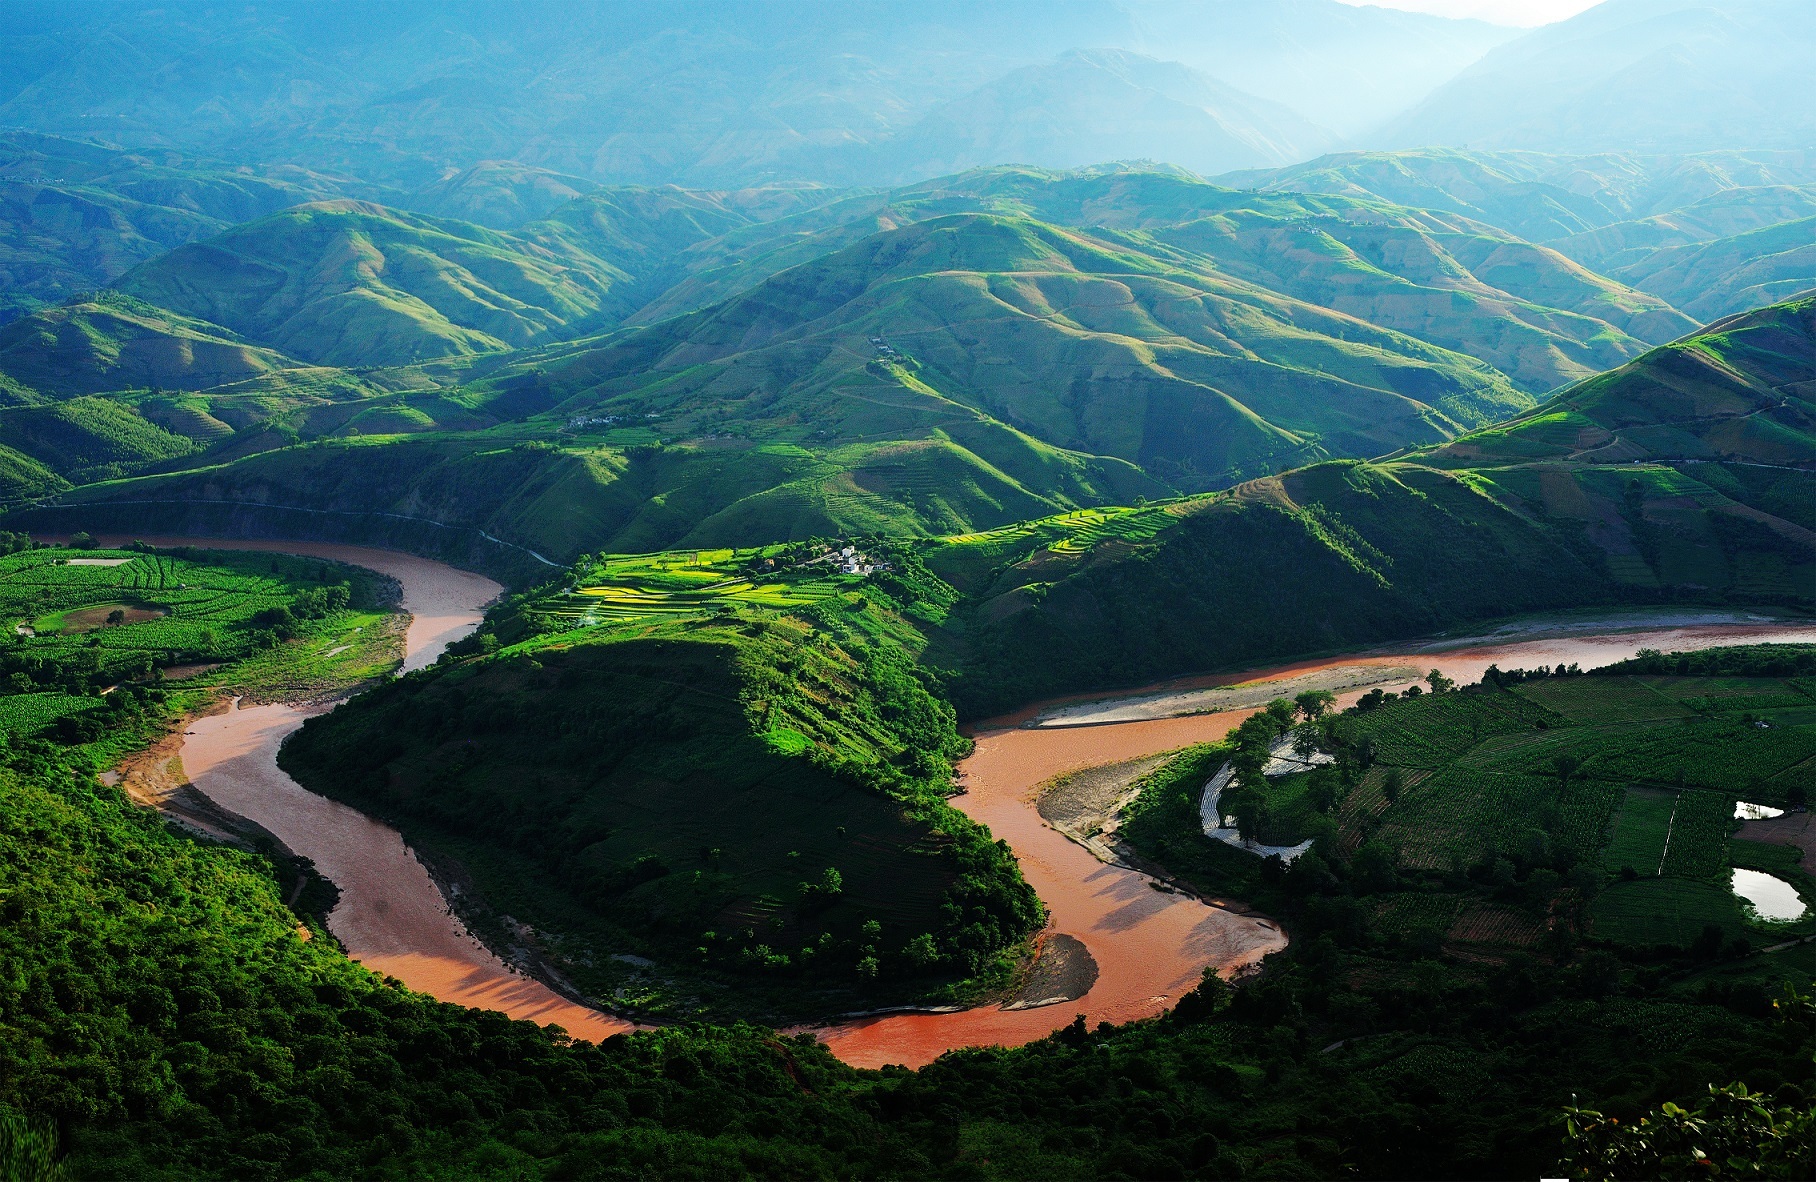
[[1731, 1133], [1305, 743], [1439, 683], [1252, 816], [1313, 704], [1565, 766], [1390, 786], [1374, 868]]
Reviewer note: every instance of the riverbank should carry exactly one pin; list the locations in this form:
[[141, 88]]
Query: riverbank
[[1124, 947], [390, 915]]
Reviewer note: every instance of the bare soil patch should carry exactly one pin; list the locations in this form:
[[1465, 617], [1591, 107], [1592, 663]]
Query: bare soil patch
[[185, 672], [87, 619], [1793, 829], [1084, 805]]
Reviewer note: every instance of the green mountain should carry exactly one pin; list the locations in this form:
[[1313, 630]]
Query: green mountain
[[349, 283], [88, 438], [1740, 391], [1719, 215], [445, 494], [114, 342], [945, 358], [1729, 275], [1689, 472], [696, 780], [1075, 340], [76, 214], [1511, 191], [1547, 197], [502, 194], [654, 234], [1537, 317]]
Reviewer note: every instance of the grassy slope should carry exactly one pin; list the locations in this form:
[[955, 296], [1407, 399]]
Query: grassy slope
[[1076, 341], [1329, 557], [564, 502], [1441, 278], [1719, 215], [113, 342], [1729, 275], [89, 437], [1738, 390], [669, 792], [348, 283]]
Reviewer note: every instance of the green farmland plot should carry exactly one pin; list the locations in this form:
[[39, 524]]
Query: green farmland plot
[[623, 588], [1604, 699], [27, 714], [1697, 847], [1638, 841], [76, 621], [1650, 911]]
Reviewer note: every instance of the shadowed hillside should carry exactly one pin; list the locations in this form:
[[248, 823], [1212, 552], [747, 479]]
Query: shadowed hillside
[[741, 800]]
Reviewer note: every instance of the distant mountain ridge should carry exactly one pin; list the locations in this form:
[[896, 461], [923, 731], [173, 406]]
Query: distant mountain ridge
[[714, 94], [1088, 106], [1633, 75]]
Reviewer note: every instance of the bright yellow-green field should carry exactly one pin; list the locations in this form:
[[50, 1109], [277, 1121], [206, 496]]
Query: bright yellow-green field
[[621, 588], [627, 587]]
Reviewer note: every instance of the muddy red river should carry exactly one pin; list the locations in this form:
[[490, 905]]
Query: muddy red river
[[1150, 946], [391, 916]]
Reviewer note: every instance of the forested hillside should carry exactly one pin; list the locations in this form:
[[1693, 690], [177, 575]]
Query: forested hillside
[[991, 591], [754, 805]]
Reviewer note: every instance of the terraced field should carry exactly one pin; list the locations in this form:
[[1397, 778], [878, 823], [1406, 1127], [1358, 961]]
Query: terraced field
[[81, 620], [673, 584], [1071, 533]]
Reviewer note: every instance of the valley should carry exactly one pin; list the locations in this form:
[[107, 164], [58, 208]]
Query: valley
[[1092, 589], [1150, 946]]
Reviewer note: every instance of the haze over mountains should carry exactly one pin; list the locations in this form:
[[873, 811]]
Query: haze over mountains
[[792, 381], [797, 274]]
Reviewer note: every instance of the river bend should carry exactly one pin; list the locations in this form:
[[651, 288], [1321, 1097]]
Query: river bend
[[1150, 946]]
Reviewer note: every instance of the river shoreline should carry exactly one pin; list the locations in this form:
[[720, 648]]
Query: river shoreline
[[391, 915], [1150, 941]]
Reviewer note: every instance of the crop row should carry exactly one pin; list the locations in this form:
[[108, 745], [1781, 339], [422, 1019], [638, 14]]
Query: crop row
[[1460, 816], [1698, 843], [1432, 730]]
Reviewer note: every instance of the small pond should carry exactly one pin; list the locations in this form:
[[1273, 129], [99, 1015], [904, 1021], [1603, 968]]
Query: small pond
[[1747, 811], [1771, 898]]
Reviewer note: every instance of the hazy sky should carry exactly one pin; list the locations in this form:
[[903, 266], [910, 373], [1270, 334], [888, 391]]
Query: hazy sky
[[1523, 13]]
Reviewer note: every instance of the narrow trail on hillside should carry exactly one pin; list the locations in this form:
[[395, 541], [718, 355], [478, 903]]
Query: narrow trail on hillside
[[1150, 946]]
